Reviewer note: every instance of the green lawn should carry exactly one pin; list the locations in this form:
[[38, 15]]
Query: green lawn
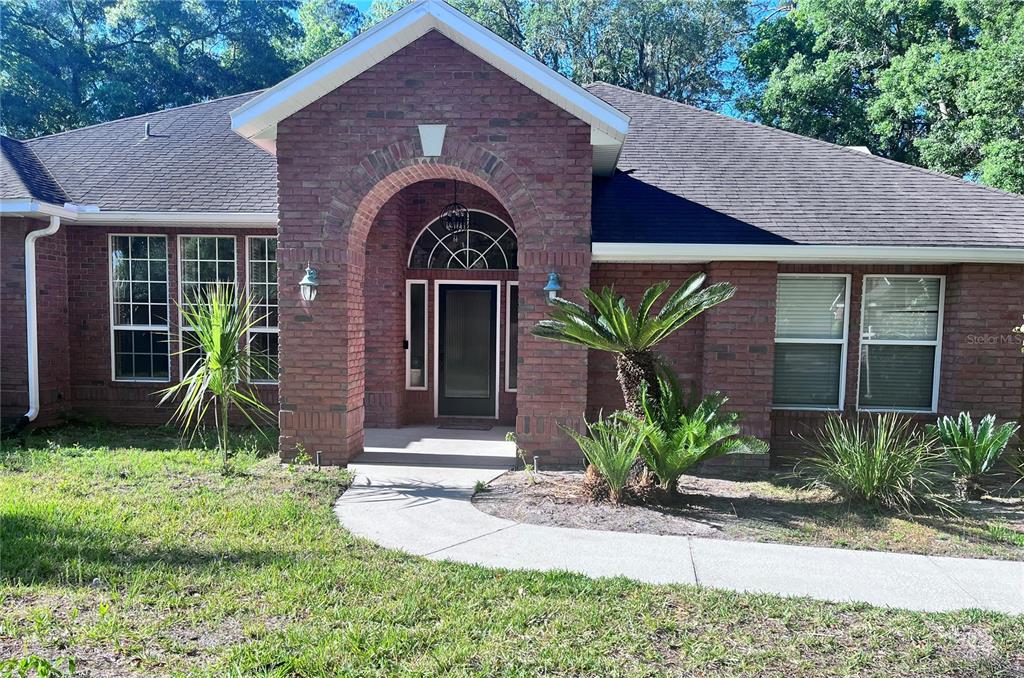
[[133, 556]]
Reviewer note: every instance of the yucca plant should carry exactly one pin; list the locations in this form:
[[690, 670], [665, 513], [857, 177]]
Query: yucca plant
[[220, 324], [612, 447], [685, 429], [881, 462], [973, 451], [631, 335]]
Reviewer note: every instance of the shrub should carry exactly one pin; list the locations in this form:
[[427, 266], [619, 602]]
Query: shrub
[[882, 462], [972, 451], [612, 447], [685, 429]]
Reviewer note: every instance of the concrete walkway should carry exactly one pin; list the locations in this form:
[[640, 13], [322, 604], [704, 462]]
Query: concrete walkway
[[426, 511]]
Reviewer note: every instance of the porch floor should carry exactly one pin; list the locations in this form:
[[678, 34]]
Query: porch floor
[[434, 446]]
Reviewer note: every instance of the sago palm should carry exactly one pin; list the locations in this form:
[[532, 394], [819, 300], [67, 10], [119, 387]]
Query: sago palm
[[220, 324], [973, 452], [631, 334], [684, 429]]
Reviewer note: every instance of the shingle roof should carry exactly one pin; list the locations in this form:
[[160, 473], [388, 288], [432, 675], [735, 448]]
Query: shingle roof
[[192, 162], [687, 175], [22, 176]]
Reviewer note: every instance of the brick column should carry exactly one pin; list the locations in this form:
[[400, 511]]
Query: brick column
[[739, 342]]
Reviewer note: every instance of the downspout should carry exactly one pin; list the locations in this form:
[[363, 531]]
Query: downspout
[[31, 328]]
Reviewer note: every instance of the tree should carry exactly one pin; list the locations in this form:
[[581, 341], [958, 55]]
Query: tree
[[631, 335], [70, 63], [938, 83], [326, 25], [679, 49], [220, 324]]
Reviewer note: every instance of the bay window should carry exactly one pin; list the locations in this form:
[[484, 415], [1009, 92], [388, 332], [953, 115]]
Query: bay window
[[901, 334], [139, 308], [811, 328]]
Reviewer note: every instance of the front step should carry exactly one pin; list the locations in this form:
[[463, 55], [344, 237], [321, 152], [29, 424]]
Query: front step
[[452, 460]]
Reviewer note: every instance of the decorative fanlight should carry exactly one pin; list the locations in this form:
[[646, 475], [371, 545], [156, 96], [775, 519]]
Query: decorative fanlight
[[455, 216]]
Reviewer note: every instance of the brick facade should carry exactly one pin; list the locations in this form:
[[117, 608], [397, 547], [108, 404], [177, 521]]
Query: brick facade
[[354, 194], [74, 323], [344, 157]]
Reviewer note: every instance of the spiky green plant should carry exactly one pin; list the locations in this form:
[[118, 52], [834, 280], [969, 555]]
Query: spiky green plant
[[973, 451], [220, 324], [685, 429], [631, 335], [612, 447], [882, 462]]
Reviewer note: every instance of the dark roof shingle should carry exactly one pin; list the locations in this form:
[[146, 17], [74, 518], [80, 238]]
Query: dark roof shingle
[[191, 162], [687, 175]]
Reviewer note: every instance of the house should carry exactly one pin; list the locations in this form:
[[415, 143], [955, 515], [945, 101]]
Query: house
[[437, 181]]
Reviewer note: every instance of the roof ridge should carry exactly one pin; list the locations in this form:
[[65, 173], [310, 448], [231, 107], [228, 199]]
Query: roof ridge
[[776, 130], [68, 197], [140, 115]]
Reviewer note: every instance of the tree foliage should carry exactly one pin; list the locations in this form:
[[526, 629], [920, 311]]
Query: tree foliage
[[70, 63], [938, 83]]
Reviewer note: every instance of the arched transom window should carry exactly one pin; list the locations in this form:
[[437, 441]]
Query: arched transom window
[[487, 243]]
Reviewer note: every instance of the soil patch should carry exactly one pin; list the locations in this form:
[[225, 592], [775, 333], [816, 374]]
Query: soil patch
[[757, 505]]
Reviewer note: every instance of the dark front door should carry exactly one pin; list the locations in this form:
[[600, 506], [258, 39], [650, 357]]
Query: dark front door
[[466, 350]]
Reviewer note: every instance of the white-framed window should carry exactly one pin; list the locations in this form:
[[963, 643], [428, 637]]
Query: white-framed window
[[812, 319], [139, 305], [262, 280], [416, 335], [900, 342], [512, 336], [203, 261]]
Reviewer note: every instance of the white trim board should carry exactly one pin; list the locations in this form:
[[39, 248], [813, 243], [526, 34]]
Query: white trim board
[[91, 215], [700, 253], [257, 118]]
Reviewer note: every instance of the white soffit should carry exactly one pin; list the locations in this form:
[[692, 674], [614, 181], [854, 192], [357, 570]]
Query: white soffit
[[257, 119]]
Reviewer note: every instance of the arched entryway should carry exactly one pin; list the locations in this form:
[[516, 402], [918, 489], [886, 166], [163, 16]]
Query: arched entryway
[[441, 335]]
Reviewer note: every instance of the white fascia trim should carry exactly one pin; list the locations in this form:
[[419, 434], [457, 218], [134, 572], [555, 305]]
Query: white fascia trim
[[89, 214], [699, 253], [212, 219], [36, 208], [256, 117]]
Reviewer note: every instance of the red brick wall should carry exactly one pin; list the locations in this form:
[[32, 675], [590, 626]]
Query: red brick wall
[[343, 157], [74, 318], [52, 321], [739, 342], [981, 367]]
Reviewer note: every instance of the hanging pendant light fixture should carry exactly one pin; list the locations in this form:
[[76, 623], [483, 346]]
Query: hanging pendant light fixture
[[455, 216]]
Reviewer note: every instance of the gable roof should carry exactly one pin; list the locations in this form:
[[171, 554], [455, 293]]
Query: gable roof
[[24, 177], [257, 119], [189, 162], [686, 175]]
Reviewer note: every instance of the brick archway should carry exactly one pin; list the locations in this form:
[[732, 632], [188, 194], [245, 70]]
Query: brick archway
[[337, 429], [385, 172]]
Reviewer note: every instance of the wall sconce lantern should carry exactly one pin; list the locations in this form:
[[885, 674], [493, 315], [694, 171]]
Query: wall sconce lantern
[[554, 286], [309, 283]]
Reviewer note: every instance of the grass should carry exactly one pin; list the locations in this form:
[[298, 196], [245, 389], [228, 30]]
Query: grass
[[129, 555]]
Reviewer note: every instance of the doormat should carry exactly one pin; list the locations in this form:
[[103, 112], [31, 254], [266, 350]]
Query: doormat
[[467, 427]]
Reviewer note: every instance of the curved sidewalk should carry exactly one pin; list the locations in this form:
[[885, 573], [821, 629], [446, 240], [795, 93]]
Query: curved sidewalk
[[428, 512]]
